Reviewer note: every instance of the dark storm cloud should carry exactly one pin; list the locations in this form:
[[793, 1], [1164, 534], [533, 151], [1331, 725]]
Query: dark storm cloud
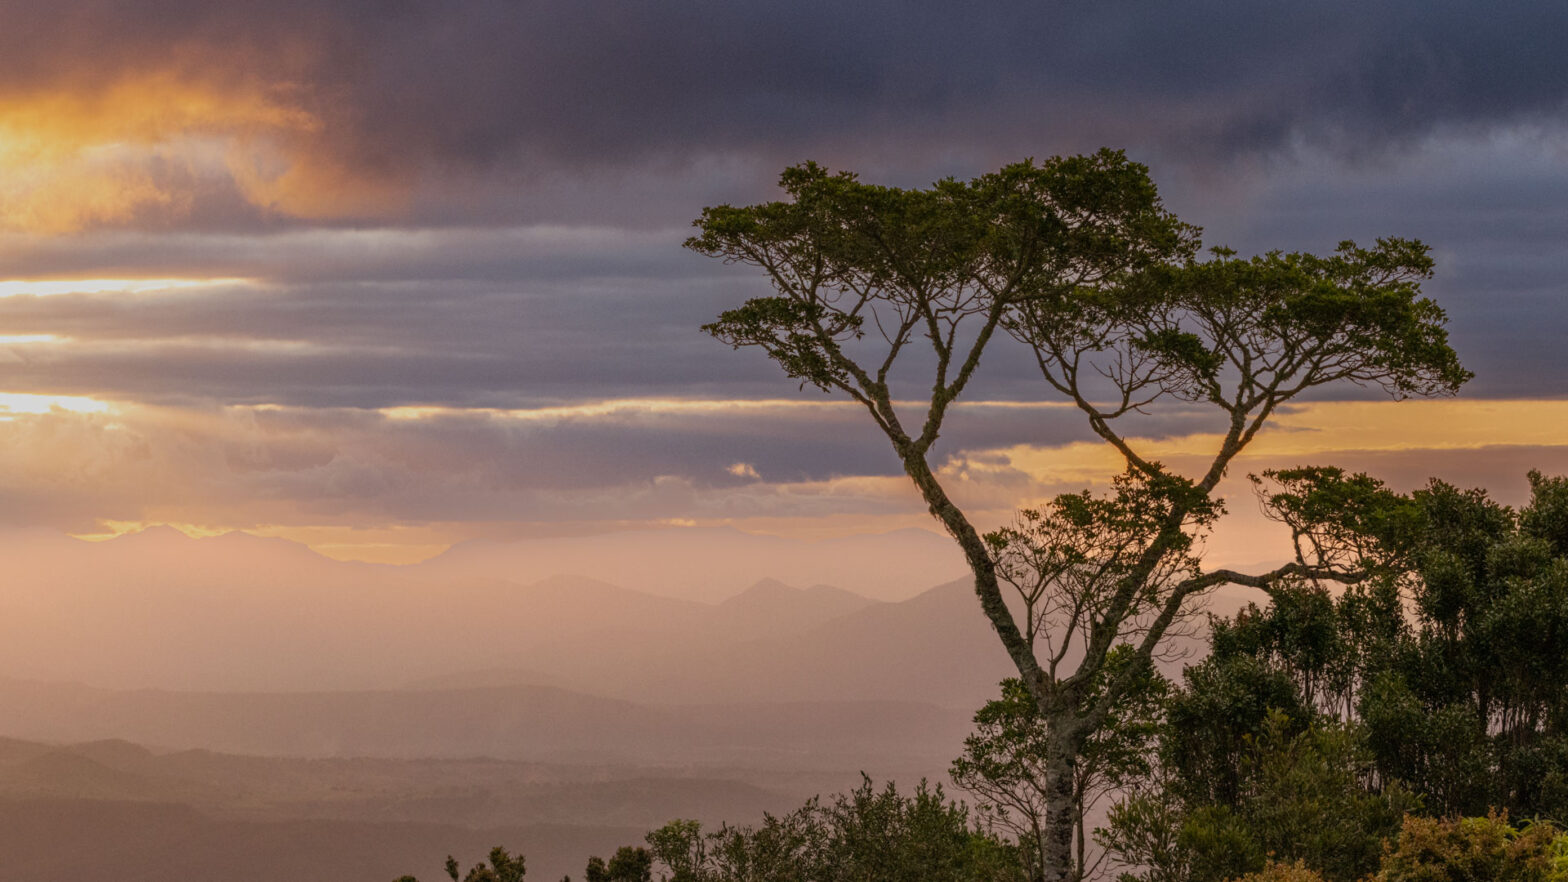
[[1491, 206], [408, 88]]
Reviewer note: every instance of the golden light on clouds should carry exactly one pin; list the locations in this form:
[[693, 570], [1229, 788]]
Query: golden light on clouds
[[111, 529], [149, 144], [57, 287], [1320, 430], [377, 486], [14, 404]]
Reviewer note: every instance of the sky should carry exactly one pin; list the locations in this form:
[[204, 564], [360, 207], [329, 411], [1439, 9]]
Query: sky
[[382, 276]]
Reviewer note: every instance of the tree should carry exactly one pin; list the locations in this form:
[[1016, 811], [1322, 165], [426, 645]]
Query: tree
[[1482, 848], [1439, 684], [1299, 792], [1002, 761], [879, 292], [628, 864], [1452, 659]]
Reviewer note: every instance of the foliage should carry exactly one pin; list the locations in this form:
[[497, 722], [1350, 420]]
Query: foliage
[[867, 834], [1300, 792], [1296, 872], [1454, 658], [1482, 849], [628, 864], [1439, 683]]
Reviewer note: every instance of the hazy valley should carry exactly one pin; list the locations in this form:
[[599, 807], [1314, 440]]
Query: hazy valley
[[260, 706]]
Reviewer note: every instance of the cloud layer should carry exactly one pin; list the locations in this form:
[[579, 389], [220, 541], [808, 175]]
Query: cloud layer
[[352, 108], [476, 207]]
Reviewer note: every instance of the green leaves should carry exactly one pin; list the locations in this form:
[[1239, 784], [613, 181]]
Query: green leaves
[[936, 266], [1340, 519], [1454, 656], [864, 834], [799, 335]]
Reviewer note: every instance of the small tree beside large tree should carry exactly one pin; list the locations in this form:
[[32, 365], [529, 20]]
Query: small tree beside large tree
[[881, 293]]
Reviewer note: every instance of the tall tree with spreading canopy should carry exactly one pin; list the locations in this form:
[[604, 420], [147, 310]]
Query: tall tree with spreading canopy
[[882, 291]]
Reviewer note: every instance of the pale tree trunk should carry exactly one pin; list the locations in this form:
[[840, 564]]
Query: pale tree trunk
[[1056, 837]]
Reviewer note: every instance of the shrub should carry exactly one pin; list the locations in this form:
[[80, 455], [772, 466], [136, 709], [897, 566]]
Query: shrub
[[1485, 849]]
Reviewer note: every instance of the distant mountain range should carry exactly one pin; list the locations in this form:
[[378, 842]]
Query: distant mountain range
[[237, 613]]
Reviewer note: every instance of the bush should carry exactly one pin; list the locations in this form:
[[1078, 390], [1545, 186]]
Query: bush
[[866, 834], [1485, 849]]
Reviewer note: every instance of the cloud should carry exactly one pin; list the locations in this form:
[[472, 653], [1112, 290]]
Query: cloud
[[647, 462], [476, 207], [348, 109], [635, 461]]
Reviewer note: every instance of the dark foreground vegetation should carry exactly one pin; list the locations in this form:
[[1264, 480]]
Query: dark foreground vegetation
[[935, 843]]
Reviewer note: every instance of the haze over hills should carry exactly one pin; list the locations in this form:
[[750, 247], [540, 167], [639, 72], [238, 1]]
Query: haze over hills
[[331, 720], [472, 791], [238, 613], [158, 609], [113, 809], [710, 563], [513, 722]]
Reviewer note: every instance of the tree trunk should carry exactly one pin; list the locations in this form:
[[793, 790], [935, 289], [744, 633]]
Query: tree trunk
[[1056, 838], [978, 556]]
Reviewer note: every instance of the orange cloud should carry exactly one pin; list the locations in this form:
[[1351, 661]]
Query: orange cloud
[[148, 145], [1322, 429]]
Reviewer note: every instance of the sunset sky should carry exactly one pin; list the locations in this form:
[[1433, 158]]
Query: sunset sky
[[384, 275]]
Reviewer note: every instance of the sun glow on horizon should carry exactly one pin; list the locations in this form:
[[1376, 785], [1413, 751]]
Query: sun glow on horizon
[[56, 287], [13, 404]]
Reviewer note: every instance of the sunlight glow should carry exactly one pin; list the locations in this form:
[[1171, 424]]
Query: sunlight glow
[[1314, 431], [148, 144], [15, 403], [116, 529], [612, 407], [53, 287]]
